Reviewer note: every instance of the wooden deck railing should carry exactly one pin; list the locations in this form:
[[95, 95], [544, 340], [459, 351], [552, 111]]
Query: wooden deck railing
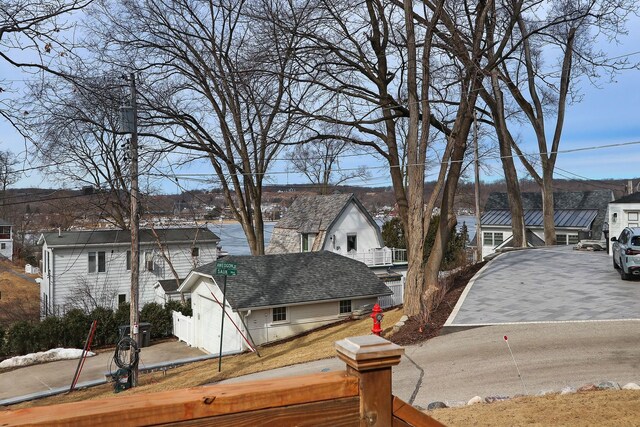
[[360, 396]]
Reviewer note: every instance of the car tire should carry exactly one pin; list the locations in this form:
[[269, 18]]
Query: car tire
[[623, 275]]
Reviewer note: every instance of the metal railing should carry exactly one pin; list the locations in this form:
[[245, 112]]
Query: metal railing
[[380, 256]]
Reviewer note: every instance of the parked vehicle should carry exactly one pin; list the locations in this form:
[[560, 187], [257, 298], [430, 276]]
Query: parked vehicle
[[626, 252]]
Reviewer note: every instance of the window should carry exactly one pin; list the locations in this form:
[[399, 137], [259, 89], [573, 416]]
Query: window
[[561, 239], [492, 239], [5, 232], [97, 262], [632, 219], [573, 239], [128, 260], [307, 241], [122, 298], [3, 246], [148, 261], [345, 306], [195, 251], [352, 242], [279, 314]]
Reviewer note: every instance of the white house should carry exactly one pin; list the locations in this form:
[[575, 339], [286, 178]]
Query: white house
[[88, 268], [274, 297], [578, 215], [624, 212], [6, 240], [339, 223]]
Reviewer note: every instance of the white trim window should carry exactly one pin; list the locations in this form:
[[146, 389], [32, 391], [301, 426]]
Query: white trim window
[[632, 219], [345, 306], [97, 262], [279, 315], [492, 239]]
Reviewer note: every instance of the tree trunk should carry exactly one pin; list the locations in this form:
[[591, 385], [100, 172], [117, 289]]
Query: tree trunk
[[548, 210]]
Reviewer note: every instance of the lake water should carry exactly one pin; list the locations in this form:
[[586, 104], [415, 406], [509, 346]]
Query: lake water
[[233, 240]]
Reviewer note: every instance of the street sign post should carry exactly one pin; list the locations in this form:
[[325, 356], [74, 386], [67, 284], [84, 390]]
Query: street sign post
[[224, 269]]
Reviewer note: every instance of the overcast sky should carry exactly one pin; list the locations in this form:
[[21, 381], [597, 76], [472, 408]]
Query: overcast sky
[[606, 116]]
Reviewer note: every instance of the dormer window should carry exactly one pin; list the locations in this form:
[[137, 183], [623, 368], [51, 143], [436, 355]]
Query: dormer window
[[307, 241], [352, 242]]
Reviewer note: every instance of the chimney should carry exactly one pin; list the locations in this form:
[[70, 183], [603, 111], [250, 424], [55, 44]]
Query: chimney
[[630, 186]]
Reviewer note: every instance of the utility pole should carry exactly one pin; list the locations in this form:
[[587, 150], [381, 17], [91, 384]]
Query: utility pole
[[135, 228], [477, 188]]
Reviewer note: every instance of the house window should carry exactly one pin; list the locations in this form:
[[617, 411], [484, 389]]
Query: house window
[[148, 261], [3, 246], [97, 262], [122, 298], [345, 306], [128, 260], [5, 233], [195, 251], [632, 219], [561, 239], [492, 239], [352, 242], [307, 241], [279, 314], [573, 239]]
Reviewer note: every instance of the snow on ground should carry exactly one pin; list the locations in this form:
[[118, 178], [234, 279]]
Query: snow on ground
[[43, 356]]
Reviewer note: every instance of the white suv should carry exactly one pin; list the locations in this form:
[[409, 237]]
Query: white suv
[[626, 252]]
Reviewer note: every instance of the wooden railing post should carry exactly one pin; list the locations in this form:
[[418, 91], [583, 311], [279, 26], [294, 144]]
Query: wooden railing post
[[370, 358]]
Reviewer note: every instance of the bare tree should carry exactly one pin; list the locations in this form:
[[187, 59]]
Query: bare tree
[[216, 81], [8, 176], [319, 161], [39, 29], [542, 92], [88, 295]]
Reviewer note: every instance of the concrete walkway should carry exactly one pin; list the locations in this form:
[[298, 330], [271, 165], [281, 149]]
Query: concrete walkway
[[37, 379], [547, 285]]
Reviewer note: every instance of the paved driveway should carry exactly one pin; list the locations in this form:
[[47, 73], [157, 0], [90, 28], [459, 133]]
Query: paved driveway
[[547, 285]]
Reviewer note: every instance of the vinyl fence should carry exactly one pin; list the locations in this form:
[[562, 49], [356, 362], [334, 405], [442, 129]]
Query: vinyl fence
[[397, 287], [183, 327]]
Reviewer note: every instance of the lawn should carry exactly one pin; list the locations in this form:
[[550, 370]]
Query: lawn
[[19, 297]]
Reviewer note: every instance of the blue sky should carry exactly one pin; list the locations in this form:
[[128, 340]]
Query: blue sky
[[608, 114]]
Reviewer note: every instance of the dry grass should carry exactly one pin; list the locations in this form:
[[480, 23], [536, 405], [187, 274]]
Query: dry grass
[[596, 408], [19, 298], [314, 346]]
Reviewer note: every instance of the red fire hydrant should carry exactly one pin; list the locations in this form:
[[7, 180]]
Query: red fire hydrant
[[376, 315]]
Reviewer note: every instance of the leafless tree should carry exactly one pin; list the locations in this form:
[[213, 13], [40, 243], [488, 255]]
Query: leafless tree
[[88, 295], [215, 80], [542, 90], [8, 175], [33, 35]]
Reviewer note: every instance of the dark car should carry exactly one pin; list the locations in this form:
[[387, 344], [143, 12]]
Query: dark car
[[626, 252]]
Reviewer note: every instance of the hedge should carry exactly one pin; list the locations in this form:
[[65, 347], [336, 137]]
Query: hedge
[[71, 330]]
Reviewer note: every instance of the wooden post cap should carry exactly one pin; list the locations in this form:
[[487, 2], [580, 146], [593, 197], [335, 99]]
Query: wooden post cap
[[368, 352]]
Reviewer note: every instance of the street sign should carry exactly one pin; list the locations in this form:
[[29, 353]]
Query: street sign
[[226, 268]]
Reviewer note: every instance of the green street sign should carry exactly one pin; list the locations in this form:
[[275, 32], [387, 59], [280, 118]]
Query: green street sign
[[226, 268]]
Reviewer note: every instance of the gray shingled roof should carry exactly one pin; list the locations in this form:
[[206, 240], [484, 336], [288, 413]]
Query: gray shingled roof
[[565, 200], [577, 218], [629, 198], [282, 279], [122, 237], [169, 285], [310, 214], [4, 222]]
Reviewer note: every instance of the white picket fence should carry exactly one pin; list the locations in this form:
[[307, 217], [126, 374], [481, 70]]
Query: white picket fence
[[183, 327], [397, 287]]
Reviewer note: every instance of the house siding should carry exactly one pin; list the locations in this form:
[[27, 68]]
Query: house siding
[[300, 318], [621, 212], [68, 271], [352, 221]]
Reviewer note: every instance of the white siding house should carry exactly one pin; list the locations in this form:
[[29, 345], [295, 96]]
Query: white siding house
[[276, 296], [624, 212], [578, 215], [85, 269], [6, 240]]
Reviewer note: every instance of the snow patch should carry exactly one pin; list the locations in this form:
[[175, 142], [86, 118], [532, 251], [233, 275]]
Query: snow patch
[[44, 356]]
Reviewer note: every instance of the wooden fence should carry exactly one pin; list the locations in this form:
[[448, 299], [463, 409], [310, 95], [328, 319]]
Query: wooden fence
[[360, 396]]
